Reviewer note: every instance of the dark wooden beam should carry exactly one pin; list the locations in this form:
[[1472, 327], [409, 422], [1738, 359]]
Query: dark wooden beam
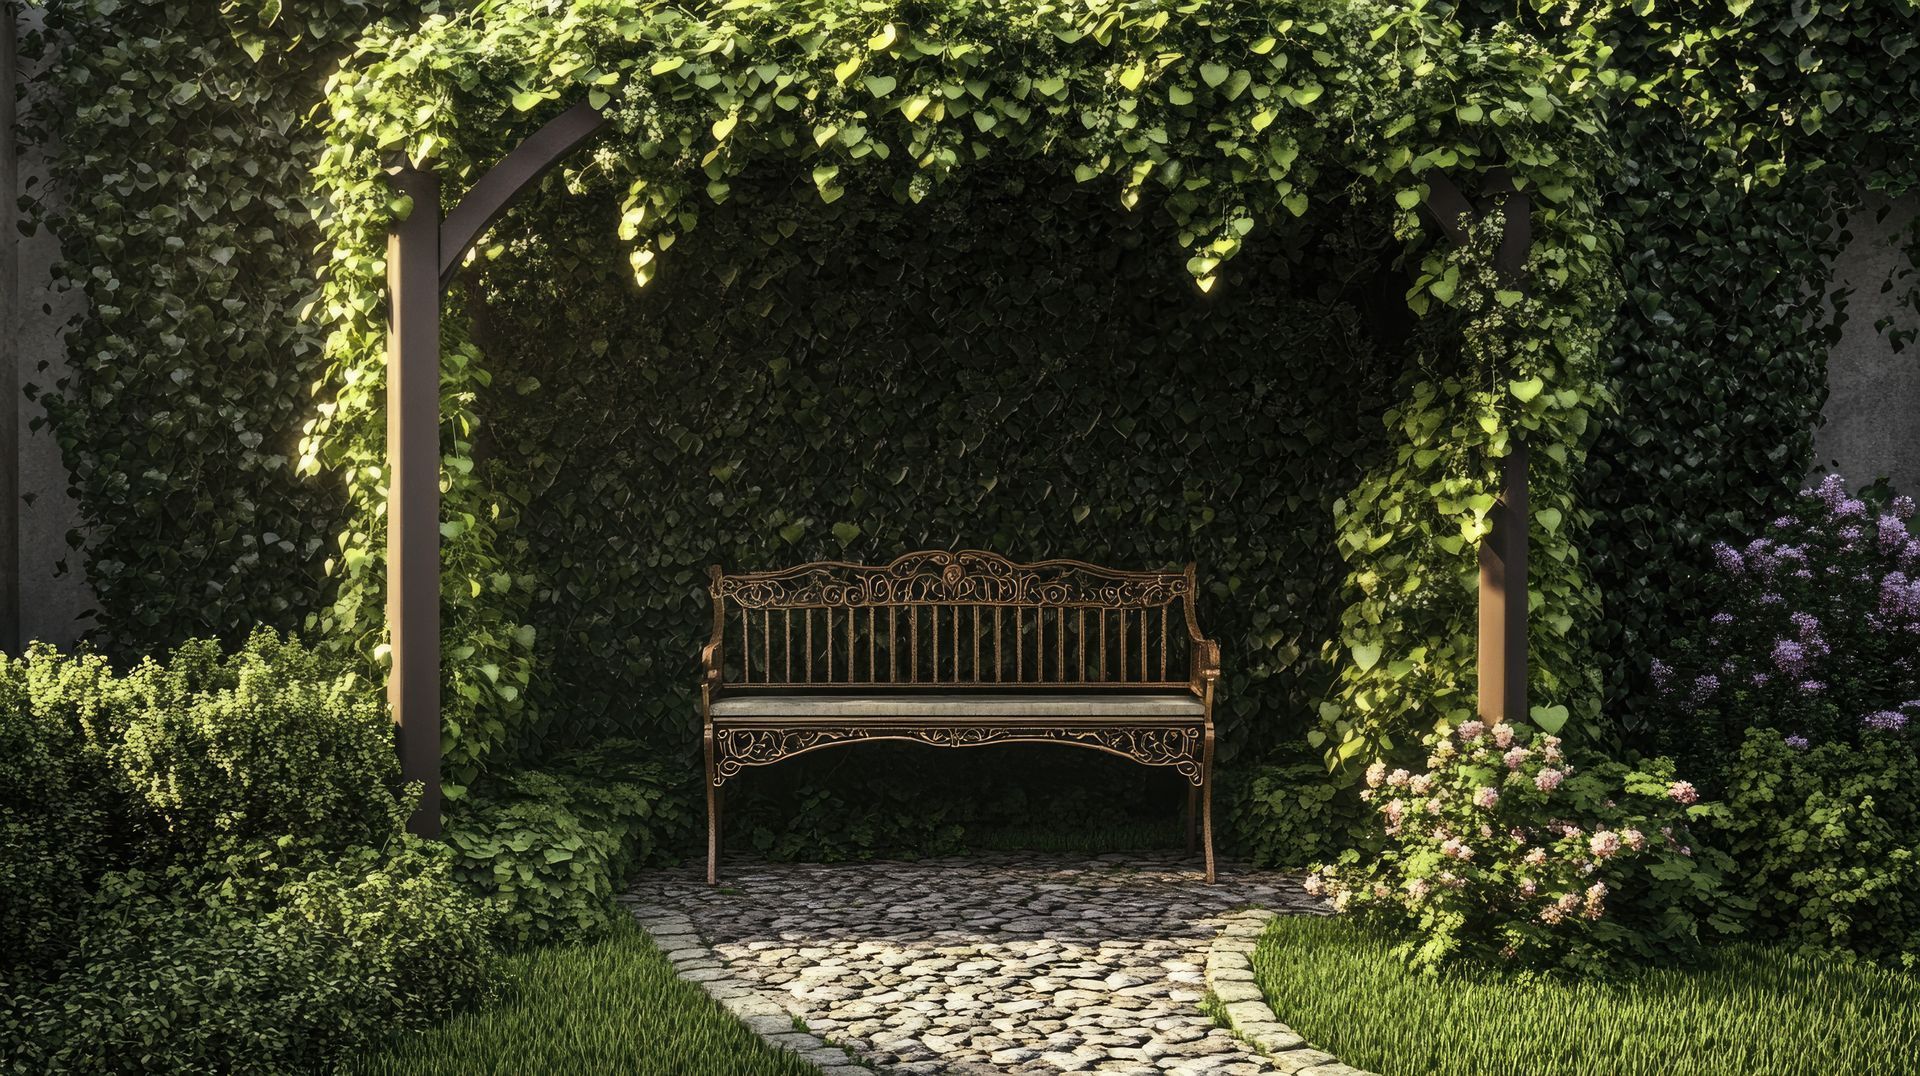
[[423, 255], [1501, 653], [508, 181], [413, 501]]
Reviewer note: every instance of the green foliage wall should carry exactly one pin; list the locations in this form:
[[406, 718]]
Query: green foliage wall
[[1743, 149], [179, 194], [1016, 365], [191, 138]]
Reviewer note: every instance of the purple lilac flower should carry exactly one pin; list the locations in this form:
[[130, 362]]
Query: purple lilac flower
[[1790, 656], [1662, 674], [1806, 624], [1705, 687], [1728, 558], [1899, 595], [1722, 620], [1885, 721], [1771, 598], [1903, 506], [1798, 742], [1893, 534], [1812, 687], [1831, 491], [1784, 522], [1760, 679]]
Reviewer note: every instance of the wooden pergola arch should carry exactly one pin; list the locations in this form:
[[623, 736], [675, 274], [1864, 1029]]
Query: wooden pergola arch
[[425, 252]]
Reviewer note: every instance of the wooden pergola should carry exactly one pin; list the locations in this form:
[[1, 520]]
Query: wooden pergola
[[425, 252]]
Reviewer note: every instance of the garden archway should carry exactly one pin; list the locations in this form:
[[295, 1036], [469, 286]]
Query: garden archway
[[1135, 58]]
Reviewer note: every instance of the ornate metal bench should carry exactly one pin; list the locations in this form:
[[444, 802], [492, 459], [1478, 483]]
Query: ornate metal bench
[[958, 650]]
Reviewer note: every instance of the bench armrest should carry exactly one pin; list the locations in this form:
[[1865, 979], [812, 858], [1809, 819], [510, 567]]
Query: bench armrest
[[1206, 652]]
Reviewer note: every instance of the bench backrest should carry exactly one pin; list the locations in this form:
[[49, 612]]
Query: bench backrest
[[953, 620]]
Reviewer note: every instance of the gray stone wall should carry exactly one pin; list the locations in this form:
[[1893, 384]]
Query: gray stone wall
[[39, 599], [1872, 427]]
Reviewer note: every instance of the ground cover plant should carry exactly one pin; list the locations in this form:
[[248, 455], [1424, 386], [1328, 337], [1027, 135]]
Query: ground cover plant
[[1742, 1010], [613, 1005]]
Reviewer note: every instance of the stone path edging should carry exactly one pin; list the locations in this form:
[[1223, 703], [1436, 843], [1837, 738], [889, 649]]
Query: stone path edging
[[1230, 980], [674, 933]]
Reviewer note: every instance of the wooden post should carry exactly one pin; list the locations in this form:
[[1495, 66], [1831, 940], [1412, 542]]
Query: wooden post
[[1503, 597], [413, 502], [1502, 646]]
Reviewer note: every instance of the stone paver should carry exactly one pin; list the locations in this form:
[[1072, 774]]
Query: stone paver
[[1022, 964]]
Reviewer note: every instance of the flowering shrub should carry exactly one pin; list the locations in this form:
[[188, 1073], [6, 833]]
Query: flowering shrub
[[1504, 849], [1818, 637], [1828, 840]]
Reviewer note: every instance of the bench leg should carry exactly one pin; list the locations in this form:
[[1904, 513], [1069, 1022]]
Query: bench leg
[[713, 833], [1206, 822], [1192, 817]]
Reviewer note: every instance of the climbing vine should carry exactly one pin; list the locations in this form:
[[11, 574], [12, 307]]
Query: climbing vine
[[1219, 116]]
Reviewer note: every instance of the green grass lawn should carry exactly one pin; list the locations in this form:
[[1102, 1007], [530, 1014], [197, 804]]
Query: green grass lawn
[[613, 1006], [1746, 1011]]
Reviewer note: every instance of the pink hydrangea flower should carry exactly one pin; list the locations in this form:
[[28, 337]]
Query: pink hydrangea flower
[[1418, 889], [1456, 848], [1376, 774], [1420, 783], [1485, 798], [1470, 731], [1634, 839], [1535, 857], [1604, 843], [1548, 779], [1517, 757], [1314, 885], [1528, 887], [1398, 778], [1503, 735], [1683, 792]]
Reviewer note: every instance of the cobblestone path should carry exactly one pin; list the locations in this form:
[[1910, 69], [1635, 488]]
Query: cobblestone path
[[1019, 964]]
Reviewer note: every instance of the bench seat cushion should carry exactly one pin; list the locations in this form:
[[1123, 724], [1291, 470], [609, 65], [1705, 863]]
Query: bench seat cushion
[[964, 706]]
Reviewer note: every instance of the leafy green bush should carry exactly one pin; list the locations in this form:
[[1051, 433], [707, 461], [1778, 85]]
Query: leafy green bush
[[550, 846], [58, 808], [274, 741], [169, 977], [204, 869], [1287, 815], [1504, 850], [1817, 634], [1828, 841]]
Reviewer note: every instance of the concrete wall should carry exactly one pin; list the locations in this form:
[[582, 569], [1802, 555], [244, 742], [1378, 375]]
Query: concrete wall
[[1872, 415], [39, 599]]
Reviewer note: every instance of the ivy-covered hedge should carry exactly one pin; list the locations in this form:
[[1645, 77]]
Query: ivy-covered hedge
[[187, 132]]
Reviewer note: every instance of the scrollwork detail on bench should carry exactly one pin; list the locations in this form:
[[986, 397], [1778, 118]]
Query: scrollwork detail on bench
[[1180, 747], [939, 577]]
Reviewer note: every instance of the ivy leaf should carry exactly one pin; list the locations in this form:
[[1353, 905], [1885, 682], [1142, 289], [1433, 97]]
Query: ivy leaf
[[1365, 655], [1549, 518], [526, 100], [1550, 718], [846, 532], [1214, 74], [1525, 391], [880, 85]]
